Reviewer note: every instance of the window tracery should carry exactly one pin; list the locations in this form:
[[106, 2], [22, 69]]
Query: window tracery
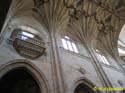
[[68, 44], [102, 58]]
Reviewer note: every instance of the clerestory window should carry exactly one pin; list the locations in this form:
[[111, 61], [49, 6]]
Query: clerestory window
[[102, 58], [68, 44], [121, 51]]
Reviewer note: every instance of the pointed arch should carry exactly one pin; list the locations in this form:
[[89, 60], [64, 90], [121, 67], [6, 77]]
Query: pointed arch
[[82, 81], [38, 76]]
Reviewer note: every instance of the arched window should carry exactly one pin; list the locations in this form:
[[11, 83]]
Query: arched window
[[68, 44], [102, 58]]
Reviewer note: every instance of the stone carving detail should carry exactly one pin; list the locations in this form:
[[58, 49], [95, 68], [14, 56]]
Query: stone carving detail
[[26, 46], [81, 70]]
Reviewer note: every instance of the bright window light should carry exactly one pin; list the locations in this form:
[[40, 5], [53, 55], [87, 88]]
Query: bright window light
[[102, 58], [97, 50], [69, 45], [105, 60], [67, 37], [64, 44], [75, 48], [121, 51], [28, 34], [24, 37]]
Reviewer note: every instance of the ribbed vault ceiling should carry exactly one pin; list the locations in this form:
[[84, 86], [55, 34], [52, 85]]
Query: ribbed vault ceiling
[[94, 22]]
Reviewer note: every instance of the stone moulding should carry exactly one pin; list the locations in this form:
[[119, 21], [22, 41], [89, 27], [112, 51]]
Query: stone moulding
[[85, 81], [32, 69]]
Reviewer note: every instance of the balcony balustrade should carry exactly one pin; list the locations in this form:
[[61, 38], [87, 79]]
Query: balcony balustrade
[[28, 47]]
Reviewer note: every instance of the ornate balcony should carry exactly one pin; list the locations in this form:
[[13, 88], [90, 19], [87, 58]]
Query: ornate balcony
[[28, 47]]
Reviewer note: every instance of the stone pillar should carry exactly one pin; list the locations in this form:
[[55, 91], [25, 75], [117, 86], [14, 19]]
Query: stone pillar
[[56, 65]]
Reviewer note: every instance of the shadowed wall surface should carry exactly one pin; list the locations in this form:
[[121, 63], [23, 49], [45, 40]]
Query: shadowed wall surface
[[4, 7], [18, 81]]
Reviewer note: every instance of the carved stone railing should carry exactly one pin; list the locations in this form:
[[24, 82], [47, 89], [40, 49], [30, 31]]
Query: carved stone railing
[[28, 47]]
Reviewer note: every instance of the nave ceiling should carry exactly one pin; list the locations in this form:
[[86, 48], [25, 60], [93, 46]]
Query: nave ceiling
[[95, 22]]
